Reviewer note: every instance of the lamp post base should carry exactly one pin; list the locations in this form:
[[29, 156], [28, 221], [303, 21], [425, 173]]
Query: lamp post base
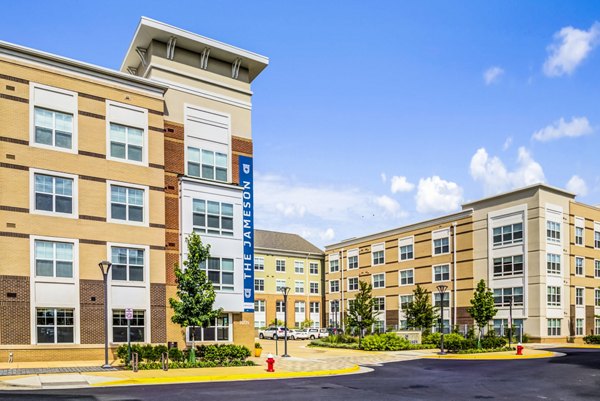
[[442, 353], [106, 366], [285, 356]]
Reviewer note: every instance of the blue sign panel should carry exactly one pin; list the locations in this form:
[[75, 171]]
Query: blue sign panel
[[246, 181]]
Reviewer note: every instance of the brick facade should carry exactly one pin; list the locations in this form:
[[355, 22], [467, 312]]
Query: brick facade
[[91, 293], [158, 299], [14, 310]]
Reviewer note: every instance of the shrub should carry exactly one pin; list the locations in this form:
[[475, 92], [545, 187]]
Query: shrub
[[176, 355], [492, 341], [321, 343], [431, 338], [454, 341], [385, 342], [592, 339], [257, 346], [223, 353], [340, 339]]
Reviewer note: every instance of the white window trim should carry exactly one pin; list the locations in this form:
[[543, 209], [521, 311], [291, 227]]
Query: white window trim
[[333, 292], [582, 266], [318, 285], [380, 247], [405, 242], [146, 189], [285, 267], [595, 270], [303, 287], [382, 312], [186, 142], [259, 291], [188, 340], [74, 137], [351, 253], [318, 268], [74, 196], [303, 267], [110, 103], [373, 280], [123, 283], [433, 280], [146, 339], [579, 223], [440, 234], [400, 278], [348, 284], [32, 291], [583, 293]]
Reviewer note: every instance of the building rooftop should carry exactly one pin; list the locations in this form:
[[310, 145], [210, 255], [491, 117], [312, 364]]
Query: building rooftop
[[547, 187], [149, 30], [274, 240]]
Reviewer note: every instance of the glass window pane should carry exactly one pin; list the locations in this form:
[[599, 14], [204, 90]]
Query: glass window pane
[[43, 118], [64, 205], [63, 140], [226, 209], [43, 136], [136, 273], [119, 255], [227, 223], [227, 265], [118, 194], [44, 268], [194, 155], [136, 257], [208, 157], [135, 137], [227, 278], [117, 150], [221, 174], [44, 250], [64, 251], [199, 220], [118, 212], [119, 272], [213, 221], [134, 153], [208, 172], [120, 334], [137, 334], [43, 183], [117, 133], [221, 160], [64, 269], [213, 207], [63, 122], [64, 186], [136, 213], [199, 206], [194, 169], [45, 335], [209, 334], [136, 197]]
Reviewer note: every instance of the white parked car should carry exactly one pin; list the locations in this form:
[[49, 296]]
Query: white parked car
[[317, 333], [273, 332], [302, 334]]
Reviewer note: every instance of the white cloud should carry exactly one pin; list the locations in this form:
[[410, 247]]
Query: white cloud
[[492, 75], [400, 184], [327, 235], [571, 46], [390, 206], [383, 178], [435, 195], [507, 143], [577, 185], [578, 126], [496, 178]]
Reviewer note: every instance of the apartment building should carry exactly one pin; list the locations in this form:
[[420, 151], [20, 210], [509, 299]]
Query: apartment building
[[536, 247], [111, 165], [287, 260]]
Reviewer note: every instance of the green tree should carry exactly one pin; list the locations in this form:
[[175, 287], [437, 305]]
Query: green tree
[[420, 312], [276, 322], [482, 308], [193, 306], [307, 324], [362, 306]]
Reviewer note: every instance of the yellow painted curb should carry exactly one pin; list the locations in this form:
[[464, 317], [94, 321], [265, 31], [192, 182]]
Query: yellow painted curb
[[546, 354], [586, 346], [234, 377]]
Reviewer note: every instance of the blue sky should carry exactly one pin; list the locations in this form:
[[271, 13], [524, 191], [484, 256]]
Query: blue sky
[[372, 115]]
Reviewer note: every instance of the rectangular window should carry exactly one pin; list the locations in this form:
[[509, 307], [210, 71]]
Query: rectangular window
[[597, 239], [509, 234], [300, 307], [212, 217], [597, 297], [279, 306], [438, 300], [334, 286], [314, 268], [407, 277], [126, 203], [53, 194], [441, 273], [126, 142], [53, 259], [579, 236], [280, 265], [501, 326], [220, 272], [553, 294], [334, 265], [441, 246], [280, 285], [259, 263], [553, 262], [260, 305], [597, 326], [379, 304], [55, 326], [298, 267], [553, 231], [378, 257], [207, 164], [53, 128], [406, 252], [259, 284], [597, 268], [299, 287], [353, 284], [353, 262], [119, 324], [578, 327], [405, 300], [579, 296], [379, 280], [314, 307], [554, 327], [314, 288], [127, 264], [503, 296], [579, 269], [508, 266], [217, 330]]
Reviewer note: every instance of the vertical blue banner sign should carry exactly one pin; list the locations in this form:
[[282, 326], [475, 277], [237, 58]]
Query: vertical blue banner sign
[[246, 181]]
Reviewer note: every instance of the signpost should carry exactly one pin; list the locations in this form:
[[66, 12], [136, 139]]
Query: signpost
[[128, 316]]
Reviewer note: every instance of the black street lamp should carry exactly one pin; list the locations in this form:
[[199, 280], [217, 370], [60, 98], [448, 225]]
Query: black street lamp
[[510, 305], [105, 268], [359, 318], [442, 290], [285, 291]]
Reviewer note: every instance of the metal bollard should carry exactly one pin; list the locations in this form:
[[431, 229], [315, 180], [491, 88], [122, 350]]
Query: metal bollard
[[10, 357], [164, 359], [134, 361], [277, 345]]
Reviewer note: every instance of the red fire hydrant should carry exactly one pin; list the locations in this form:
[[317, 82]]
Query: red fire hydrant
[[270, 363], [519, 349]]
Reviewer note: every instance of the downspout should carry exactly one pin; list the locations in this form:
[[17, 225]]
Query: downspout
[[342, 288], [307, 287], [454, 272]]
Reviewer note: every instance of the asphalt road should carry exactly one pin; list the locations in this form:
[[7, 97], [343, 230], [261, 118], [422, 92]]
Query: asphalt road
[[572, 377]]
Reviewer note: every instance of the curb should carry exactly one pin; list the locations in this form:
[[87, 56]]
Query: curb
[[252, 376], [488, 357]]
